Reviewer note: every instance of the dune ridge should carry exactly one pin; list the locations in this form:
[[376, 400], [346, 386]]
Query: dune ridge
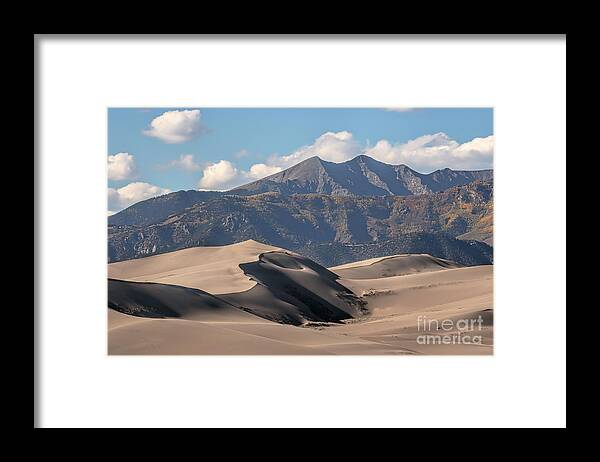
[[290, 289], [394, 265], [154, 300], [212, 269]]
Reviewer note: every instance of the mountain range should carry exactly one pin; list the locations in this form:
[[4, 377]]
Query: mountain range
[[361, 176], [332, 213]]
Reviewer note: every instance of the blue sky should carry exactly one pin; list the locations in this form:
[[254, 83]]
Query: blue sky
[[152, 151]]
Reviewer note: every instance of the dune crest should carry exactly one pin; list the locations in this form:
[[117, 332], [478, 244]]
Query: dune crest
[[212, 269], [394, 265]]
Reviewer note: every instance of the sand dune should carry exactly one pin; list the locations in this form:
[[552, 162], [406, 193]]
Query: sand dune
[[153, 300], [403, 305], [295, 306], [413, 292], [212, 269], [396, 265], [290, 289], [311, 290]]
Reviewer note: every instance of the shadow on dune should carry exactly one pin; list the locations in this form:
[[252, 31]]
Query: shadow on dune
[[294, 289], [290, 290], [152, 300]]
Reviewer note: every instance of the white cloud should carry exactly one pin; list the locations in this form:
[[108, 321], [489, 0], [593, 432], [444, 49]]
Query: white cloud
[[223, 175], [431, 152], [219, 176], [258, 171], [121, 166], [330, 146], [185, 162], [130, 194], [176, 126]]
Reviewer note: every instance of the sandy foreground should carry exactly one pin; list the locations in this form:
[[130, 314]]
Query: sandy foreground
[[409, 304]]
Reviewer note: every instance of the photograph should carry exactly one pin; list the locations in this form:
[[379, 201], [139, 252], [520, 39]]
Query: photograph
[[300, 231]]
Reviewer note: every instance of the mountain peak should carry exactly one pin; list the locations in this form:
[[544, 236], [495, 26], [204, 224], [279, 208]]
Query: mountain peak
[[362, 158], [311, 160], [367, 160], [360, 176]]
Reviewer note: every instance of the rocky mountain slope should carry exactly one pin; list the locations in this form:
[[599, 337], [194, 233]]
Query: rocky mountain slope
[[331, 229], [361, 176], [158, 208]]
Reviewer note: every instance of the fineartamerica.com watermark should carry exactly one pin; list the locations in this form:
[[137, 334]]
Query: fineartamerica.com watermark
[[454, 332]]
